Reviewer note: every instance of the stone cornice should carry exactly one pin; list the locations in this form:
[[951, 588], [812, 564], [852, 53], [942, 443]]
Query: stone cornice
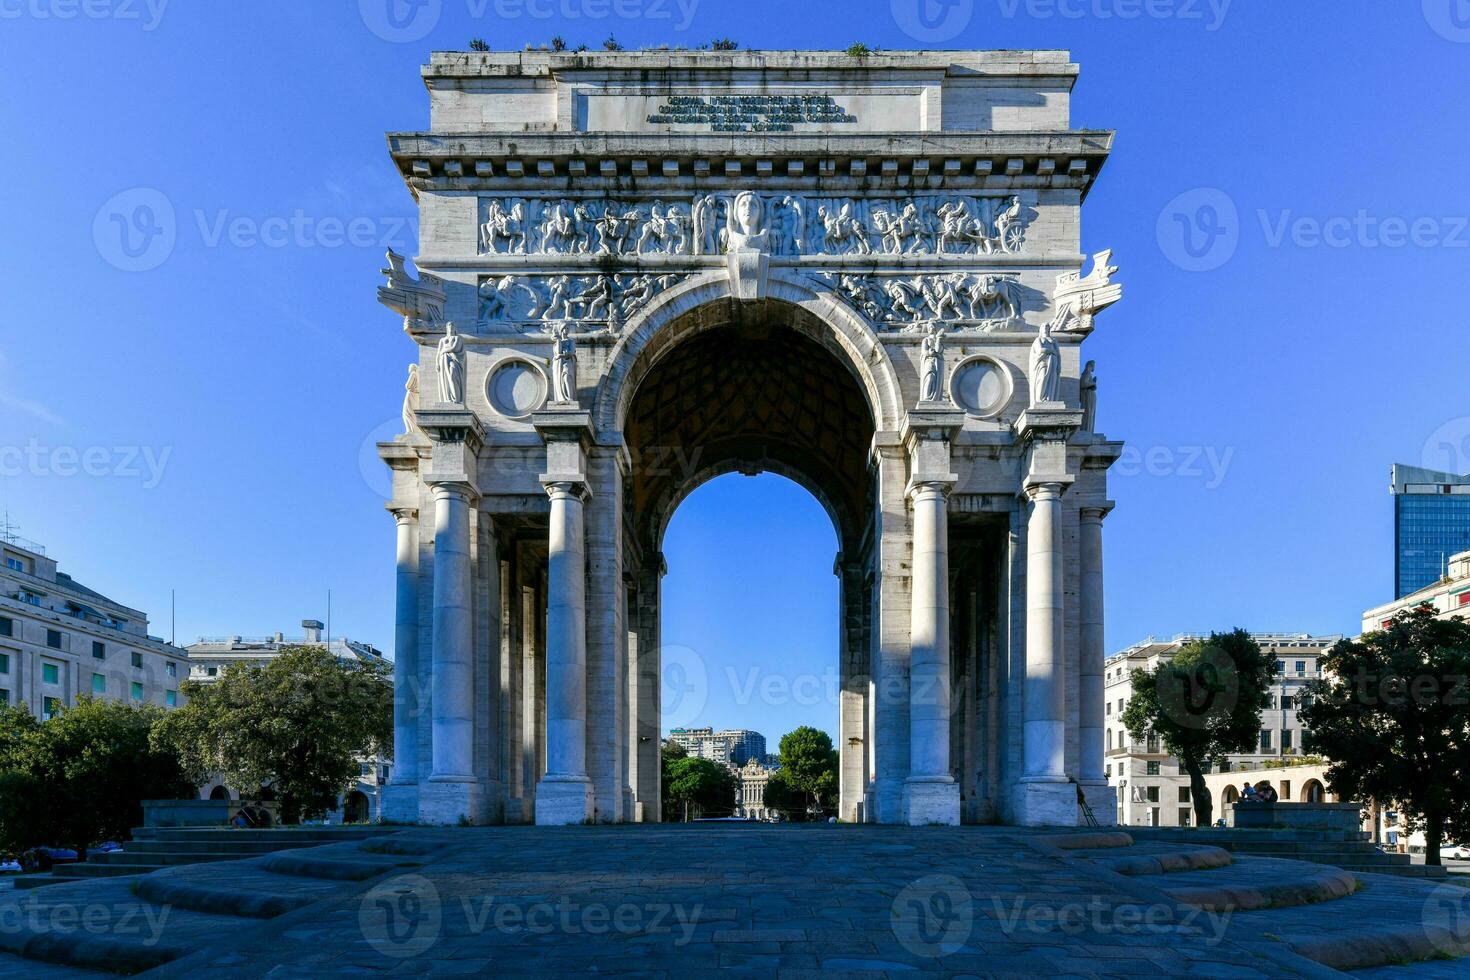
[[662, 161], [1038, 63]]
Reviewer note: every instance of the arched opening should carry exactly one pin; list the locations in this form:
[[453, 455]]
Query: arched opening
[[1231, 795], [1314, 792], [753, 391], [219, 793], [355, 807]]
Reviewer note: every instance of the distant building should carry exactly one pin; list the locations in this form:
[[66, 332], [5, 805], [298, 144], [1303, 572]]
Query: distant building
[[750, 790], [1153, 789], [732, 746], [211, 655], [1447, 597], [1431, 522], [60, 639]]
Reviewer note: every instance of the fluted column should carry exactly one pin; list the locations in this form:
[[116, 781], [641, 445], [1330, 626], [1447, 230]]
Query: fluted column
[[406, 649], [565, 794], [1044, 730], [453, 685], [931, 794], [1090, 667]]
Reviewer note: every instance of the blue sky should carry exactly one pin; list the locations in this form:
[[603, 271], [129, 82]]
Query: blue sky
[[206, 424]]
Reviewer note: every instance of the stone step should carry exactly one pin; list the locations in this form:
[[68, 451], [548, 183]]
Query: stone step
[[248, 891], [1151, 858], [302, 835], [1250, 883], [163, 858]]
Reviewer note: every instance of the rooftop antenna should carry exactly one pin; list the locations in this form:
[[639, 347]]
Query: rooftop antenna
[[173, 618], [329, 618]]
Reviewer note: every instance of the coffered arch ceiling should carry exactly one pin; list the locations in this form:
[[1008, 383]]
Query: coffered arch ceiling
[[748, 397]]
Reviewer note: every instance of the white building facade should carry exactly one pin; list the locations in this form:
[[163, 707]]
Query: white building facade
[[642, 270], [1153, 789], [60, 640]]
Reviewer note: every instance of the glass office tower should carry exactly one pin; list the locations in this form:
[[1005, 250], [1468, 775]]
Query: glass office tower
[[1431, 522]]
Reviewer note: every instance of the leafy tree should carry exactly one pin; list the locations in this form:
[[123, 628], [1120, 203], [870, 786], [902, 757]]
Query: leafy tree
[[1390, 711], [785, 798], [670, 751], [299, 723], [558, 43], [724, 44], [858, 49], [611, 44], [479, 44], [809, 765], [81, 777], [1203, 705], [706, 786]]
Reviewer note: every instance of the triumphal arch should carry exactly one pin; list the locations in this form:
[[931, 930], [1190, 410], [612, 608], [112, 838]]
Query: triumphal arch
[[641, 270]]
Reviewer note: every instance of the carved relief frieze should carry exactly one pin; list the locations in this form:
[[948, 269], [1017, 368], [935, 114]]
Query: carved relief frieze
[[532, 302], [979, 301]]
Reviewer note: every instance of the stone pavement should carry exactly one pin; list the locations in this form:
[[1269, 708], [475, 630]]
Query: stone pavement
[[680, 900]]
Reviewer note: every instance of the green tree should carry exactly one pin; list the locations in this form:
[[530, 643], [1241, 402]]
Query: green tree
[[707, 786], [1203, 705], [299, 723], [785, 798], [81, 777], [1390, 712], [809, 765]]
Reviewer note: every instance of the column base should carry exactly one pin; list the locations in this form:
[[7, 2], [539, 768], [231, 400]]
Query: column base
[[931, 801], [1046, 802], [1104, 802], [563, 801], [448, 801], [887, 801], [401, 802]]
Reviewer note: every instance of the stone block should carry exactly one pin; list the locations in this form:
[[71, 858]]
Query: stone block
[[1046, 804], [563, 801], [931, 802]]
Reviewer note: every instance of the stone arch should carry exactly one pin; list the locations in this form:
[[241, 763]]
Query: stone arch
[[355, 807], [705, 301], [667, 506], [220, 792], [1314, 792]]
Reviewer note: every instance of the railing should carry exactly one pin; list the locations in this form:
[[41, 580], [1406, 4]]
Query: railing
[[10, 537]]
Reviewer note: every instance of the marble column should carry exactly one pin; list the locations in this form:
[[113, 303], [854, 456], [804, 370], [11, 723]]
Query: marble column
[[930, 793], [400, 796], [451, 793], [564, 795], [1047, 797], [1100, 796]]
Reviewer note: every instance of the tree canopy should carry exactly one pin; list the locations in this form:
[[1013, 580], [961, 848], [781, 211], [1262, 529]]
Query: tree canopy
[[81, 777], [1203, 705], [707, 786], [1392, 713], [299, 723], [808, 768]]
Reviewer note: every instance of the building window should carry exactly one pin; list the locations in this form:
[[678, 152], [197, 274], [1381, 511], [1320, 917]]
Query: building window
[[1184, 794], [1153, 769], [171, 669], [99, 650], [136, 691], [1286, 738], [50, 708], [1153, 795], [1301, 667], [211, 671], [137, 659], [1265, 740], [4, 695], [53, 639], [51, 673], [1281, 666], [1108, 770], [7, 626], [1108, 706], [171, 698], [1184, 816], [4, 663], [14, 564], [1286, 702], [99, 684], [1463, 599]]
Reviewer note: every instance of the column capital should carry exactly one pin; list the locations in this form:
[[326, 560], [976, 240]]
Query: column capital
[[1093, 512], [403, 513], [1046, 488], [443, 489], [929, 488], [567, 490]]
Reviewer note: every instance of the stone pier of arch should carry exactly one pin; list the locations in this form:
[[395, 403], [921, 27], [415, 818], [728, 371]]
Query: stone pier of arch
[[640, 271]]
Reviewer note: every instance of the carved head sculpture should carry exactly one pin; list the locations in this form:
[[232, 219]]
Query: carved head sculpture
[[749, 213]]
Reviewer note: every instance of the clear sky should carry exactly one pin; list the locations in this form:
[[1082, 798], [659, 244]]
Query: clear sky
[[1287, 202]]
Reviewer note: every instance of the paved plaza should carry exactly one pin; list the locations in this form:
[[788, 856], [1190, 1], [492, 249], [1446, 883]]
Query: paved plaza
[[675, 900]]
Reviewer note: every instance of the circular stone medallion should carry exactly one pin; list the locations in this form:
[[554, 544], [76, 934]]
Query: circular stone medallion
[[981, 385], [516, 387]]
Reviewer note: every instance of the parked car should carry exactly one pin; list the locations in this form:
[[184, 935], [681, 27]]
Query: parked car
[[10, 866], [1459, 852]]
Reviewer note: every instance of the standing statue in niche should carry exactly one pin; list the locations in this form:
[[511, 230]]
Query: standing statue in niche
[[932, 368], [1046, 368], [564, 366], [746, 223], [449, 360], [411, 402], [1089, 397]]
